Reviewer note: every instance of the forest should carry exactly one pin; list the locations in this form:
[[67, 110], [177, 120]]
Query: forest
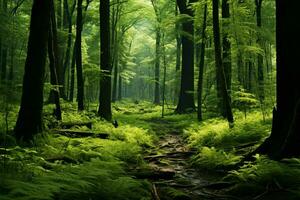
[[149, 100]]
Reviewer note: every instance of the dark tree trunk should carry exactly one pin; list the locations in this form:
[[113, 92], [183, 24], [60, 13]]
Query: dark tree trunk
[[68, 15], [72, 82], [29, 121], [201, 64], [226, 45], [178, 58], [78, 54], [53, 62], [120, 87], [4, 48], [186, 101], [284, 139], [104, 110], [260, 67], [157, 67], [115, 83], [219, 64]]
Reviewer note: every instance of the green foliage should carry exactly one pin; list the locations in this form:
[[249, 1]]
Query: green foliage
[[216, 133], [271, 178], [211, 159], [244, 101]]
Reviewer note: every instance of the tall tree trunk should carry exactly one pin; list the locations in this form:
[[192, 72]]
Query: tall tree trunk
[[284, 139], [178, 57], [52, 52], [186, 101], [226, 46], [72, 82], [80, 84], [157, 66], [104, 110], [164, 77], [201, 64], [260, 67], [29, 121], [219, 64], [4, 48], [120, 87], [69, 15]]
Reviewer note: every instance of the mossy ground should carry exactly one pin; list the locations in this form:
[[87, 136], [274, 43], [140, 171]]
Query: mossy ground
[[60, 167]]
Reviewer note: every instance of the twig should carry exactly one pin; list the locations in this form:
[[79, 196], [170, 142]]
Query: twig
[[154, 192]]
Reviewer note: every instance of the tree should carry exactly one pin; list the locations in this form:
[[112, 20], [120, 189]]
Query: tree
[[260, 67], [284, 139], [201, 64], [219, 64], [78, 56], [53, 61], [186, 95], [29, 121], [226, 44], [104, 110], [4, 48]]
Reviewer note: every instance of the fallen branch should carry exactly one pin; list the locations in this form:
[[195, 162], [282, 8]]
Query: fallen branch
[[77, 133], [154, 192]]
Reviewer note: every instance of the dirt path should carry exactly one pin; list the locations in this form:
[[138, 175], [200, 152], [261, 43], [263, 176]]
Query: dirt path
[[175, 178]]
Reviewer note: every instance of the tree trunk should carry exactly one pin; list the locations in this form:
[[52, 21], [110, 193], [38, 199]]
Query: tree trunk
[[260, 67], [226, 46], [29, 121], [104, 110], [66, 65], [201, 64], [219, 64], [178, 58], [120, 87], [284, 139], [186, 95], [72, 82], [4, 49], [52, 52], [80, 84], [157, 67]]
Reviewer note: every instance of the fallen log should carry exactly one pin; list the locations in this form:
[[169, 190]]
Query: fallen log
[[79, 134], [67, 125]]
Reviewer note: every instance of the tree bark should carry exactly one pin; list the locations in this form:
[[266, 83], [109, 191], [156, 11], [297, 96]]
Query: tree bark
[[284, 139], [104, 110], [226, 46], [219, 64], [53, 62], [157, 67], [29, 121], [4, 48], [201, 64], [186, 101], [260, 67], [80, 84]]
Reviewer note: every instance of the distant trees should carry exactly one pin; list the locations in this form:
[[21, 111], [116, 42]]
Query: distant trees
[[29, 121]]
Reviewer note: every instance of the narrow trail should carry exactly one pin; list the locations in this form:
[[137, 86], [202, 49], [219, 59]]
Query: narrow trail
[[175, 178]]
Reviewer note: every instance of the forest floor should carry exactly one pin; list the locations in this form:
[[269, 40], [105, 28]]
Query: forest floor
[[145, 158], [176, 178]]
